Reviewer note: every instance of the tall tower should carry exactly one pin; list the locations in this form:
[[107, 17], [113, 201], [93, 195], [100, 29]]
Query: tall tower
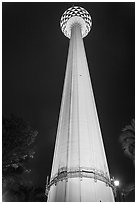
[[79, 170]]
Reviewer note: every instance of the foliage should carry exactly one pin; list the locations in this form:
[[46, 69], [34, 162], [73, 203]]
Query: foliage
[[17, 148], [17, 145], [127, 139], [128, 189], [23, 192]]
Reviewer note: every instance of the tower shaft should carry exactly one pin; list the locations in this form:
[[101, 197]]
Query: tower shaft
[[79, 170]]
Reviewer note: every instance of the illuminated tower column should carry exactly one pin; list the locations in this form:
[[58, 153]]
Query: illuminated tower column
[[79, 170]]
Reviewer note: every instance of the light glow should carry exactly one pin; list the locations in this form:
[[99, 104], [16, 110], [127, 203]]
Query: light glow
[[116, 183]]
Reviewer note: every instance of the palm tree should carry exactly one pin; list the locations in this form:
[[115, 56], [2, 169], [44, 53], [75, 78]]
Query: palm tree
[[127, 139]]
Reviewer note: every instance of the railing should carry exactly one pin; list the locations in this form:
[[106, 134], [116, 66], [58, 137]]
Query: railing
[[82, 172]]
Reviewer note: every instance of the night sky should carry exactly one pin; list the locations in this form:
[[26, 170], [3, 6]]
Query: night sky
[[34, 61]]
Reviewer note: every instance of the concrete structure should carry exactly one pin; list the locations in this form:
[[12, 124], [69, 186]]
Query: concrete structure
[[79, 170]]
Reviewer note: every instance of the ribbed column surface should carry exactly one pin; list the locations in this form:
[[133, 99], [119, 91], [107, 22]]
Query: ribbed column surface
[[79, 170]]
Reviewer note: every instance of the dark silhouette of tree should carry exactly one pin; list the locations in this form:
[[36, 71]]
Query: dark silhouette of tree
[[34, 193], [24, 192], [127, 140], [17, 143], [17, 148]]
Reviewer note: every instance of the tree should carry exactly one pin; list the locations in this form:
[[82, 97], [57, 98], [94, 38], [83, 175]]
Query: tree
[[24, 192], [127, 139], [17, 148], [17, 144]]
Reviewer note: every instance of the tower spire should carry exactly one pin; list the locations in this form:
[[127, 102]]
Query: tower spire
[[79, 170]]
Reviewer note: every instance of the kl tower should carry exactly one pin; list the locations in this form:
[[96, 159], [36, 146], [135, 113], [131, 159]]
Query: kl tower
[[79, 170]]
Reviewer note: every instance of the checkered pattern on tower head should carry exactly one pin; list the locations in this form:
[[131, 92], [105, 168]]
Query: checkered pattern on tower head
[[80, 16]]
